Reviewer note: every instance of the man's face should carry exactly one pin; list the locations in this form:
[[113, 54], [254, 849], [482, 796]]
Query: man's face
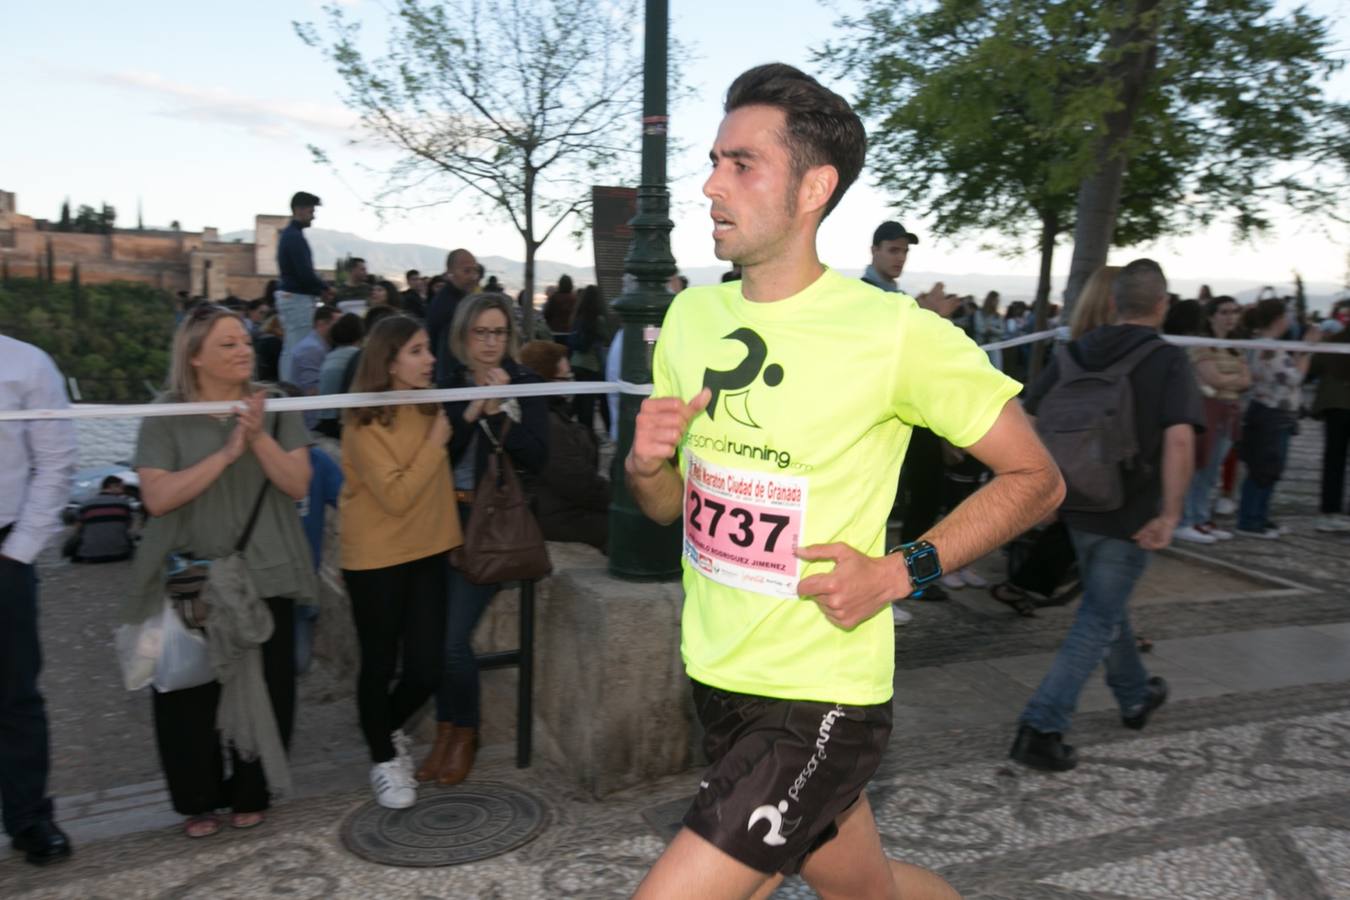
[[464, 272], [751, 187], [357, 273], [303, 214], [888, 257]]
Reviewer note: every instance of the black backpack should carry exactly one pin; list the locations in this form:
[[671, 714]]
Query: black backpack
[[1087, 423]]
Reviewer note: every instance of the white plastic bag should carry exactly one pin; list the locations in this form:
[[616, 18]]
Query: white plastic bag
[[184, 660], [138, 650]]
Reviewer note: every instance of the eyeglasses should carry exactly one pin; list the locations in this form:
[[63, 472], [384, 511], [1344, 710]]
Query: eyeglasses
[[496, 334]]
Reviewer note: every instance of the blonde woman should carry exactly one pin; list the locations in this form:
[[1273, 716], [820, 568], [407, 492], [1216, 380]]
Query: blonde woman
[[399, 523], [200, 478], [1095, 306]]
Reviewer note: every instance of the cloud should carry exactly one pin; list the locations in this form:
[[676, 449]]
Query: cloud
[[266, 118]]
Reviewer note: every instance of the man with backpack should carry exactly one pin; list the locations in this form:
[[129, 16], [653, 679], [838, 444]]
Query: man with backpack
[[1118, 409]]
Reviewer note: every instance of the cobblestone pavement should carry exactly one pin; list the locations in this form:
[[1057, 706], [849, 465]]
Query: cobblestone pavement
[[1238, 789]]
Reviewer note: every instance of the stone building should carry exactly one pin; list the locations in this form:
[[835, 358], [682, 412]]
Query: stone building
[[196, 262]]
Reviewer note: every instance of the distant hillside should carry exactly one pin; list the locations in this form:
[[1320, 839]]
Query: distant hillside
[[392, 260]]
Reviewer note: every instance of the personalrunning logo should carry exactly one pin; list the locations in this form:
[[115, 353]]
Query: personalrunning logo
[[731, 387], [781, 829]]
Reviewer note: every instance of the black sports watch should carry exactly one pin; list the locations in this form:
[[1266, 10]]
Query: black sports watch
[[921, 559]]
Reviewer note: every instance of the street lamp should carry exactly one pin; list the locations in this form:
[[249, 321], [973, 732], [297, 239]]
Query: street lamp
[[639, 549]]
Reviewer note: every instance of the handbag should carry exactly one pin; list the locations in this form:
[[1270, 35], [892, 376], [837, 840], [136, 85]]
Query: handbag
[[185, 588], [503, 541]]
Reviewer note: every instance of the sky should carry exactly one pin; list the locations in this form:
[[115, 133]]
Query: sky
[[202, 113]]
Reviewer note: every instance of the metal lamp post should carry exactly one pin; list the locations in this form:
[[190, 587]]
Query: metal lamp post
[[639, 549]]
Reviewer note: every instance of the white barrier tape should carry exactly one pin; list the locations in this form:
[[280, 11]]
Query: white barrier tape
[[334, 401], [546, 389], [1022, 339]]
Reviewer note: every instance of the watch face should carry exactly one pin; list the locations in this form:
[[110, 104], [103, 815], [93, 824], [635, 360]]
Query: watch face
[[924, 565]]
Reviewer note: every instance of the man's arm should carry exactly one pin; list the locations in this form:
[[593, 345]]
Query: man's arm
[[1025, 488], [52, 451], [1178, 465]]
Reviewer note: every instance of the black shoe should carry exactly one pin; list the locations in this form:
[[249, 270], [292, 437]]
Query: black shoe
[[1157, 696], [42, 843], [1043, 750]]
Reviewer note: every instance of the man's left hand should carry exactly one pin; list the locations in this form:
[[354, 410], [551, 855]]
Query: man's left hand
[[1156, 533], [858, 588]]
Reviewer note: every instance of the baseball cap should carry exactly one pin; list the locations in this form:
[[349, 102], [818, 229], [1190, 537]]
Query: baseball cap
[[892, 231]]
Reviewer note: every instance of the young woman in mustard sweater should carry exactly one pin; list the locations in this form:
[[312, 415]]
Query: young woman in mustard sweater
[[399, 523]]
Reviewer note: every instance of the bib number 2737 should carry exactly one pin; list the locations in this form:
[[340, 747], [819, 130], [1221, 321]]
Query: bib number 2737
[[742, 528]]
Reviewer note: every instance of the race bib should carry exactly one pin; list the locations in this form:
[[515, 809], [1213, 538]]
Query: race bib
[[742, 529]]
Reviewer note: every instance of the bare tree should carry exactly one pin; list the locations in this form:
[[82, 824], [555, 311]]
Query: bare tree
[[523, 104]]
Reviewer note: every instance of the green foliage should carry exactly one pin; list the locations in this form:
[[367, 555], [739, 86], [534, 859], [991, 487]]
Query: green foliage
[[987, 113], [89, 220], [113, 338]]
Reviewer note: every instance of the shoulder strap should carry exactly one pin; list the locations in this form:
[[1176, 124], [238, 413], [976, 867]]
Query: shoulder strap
[[257, 504], [1129, 361]]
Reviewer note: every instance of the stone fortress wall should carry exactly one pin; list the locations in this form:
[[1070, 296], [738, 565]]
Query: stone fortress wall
[[196, 262]]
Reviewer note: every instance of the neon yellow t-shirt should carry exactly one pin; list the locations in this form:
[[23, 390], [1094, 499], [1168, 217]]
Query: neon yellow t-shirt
[[813, 401]]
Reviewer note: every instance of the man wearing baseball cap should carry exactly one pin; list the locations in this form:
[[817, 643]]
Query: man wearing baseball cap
[[890, 247]]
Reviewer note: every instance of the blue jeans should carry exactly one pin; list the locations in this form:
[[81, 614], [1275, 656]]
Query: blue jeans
[[24, 758], [1199, 507], [1254, 501], [297, 320], [1101, 631], [457, 698]]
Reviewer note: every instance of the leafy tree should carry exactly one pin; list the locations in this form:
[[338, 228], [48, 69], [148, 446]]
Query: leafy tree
[[1129, 119], [64, 224], [113, 343], [519, 103]]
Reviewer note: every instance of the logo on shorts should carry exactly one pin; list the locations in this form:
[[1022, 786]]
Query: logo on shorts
[[774, 816], [776, 836], [736, 383]]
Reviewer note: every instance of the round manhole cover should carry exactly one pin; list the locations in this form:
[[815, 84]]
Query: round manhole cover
[[447, 827]]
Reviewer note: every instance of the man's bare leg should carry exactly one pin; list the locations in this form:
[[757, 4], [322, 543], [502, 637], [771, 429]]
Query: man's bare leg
[[854, 866], [692, 867]]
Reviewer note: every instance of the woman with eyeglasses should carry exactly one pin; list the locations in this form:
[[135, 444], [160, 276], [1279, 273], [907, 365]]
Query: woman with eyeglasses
[[483, 344], [201, 476]]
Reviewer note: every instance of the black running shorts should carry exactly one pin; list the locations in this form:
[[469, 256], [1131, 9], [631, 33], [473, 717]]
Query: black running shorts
[[781, 772]]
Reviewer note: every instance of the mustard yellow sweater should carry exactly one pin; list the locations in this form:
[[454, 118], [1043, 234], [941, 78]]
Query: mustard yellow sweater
[[398, 502]]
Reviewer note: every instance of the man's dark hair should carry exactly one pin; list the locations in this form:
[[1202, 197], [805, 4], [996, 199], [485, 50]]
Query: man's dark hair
[[324, 313], [110, 481], [1138, 288], [821, 129], [303, 199], [253, 305], [1266, 312], [452, 256], [354, 262], [410, 275], [684, 281], [347, 330], [565, 284]]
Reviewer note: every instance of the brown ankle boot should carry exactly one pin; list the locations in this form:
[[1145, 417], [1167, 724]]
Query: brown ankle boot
[[435, 761], [459, 758]]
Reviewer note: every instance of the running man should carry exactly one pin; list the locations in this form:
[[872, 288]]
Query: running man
[[790, 396]]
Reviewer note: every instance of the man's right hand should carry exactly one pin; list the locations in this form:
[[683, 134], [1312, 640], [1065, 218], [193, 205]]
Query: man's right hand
[[660, 426]]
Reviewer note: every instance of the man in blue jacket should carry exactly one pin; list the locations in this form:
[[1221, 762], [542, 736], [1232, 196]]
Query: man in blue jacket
[[300, 288]]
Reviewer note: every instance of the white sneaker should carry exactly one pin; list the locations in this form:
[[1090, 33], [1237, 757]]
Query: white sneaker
[[972, 579], [1225, 506], [1214, 531], [393, 785], [1332, 524], [403, 751], [952, 581], [1193, 535], [902, 616]]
